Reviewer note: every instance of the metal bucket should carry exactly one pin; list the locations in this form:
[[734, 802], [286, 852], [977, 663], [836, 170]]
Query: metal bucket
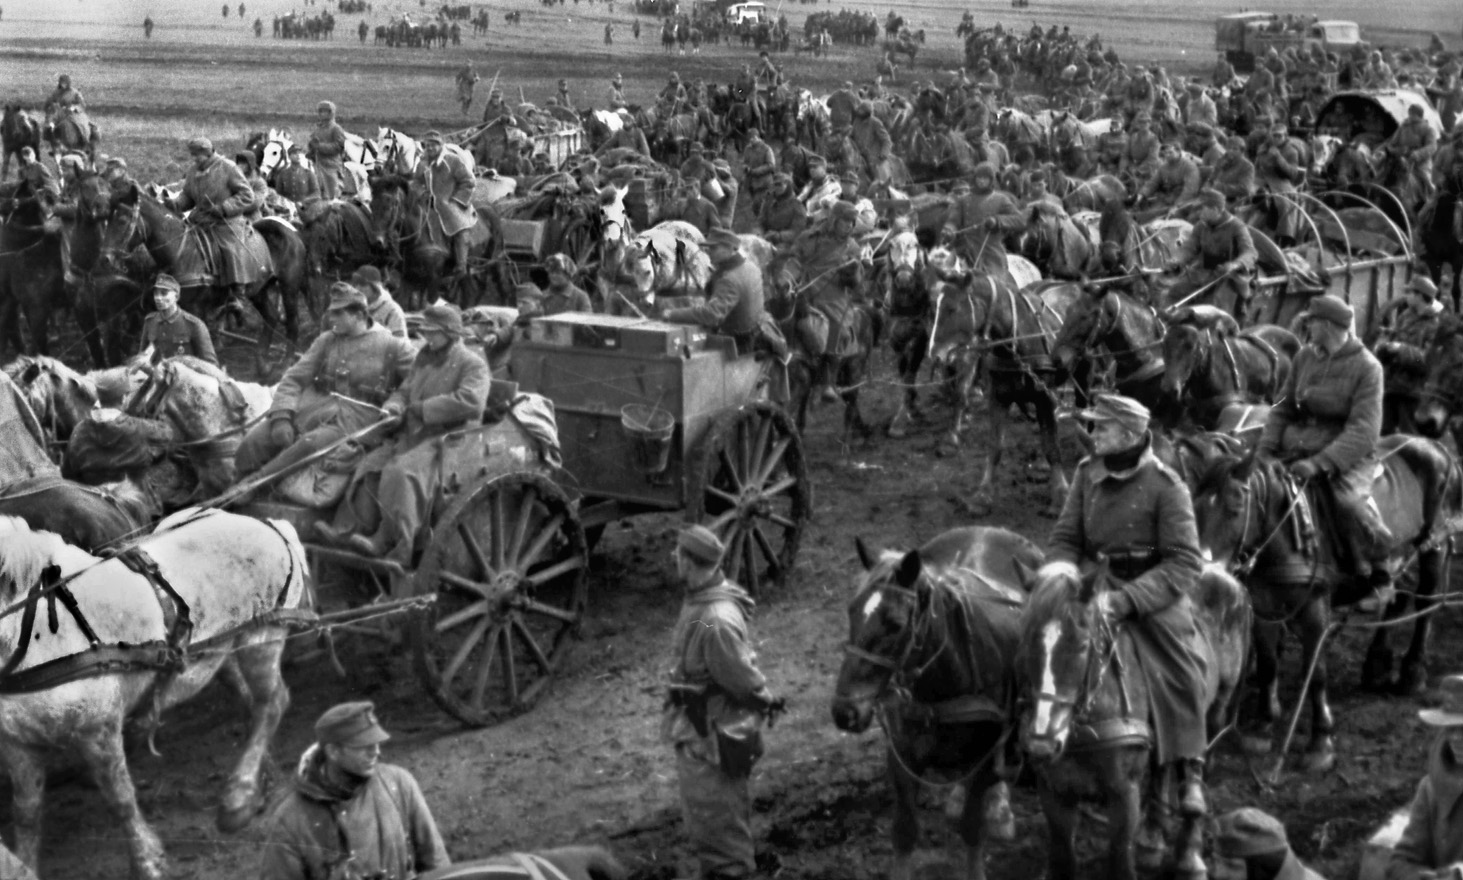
[[649, 429]]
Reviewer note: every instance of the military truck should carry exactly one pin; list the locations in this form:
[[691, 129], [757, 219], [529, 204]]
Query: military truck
[[1246, 36]]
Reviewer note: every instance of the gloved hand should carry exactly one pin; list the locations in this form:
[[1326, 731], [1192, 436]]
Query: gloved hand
[[282, 431], [992, 224], [1114, 605], [1305, 469]]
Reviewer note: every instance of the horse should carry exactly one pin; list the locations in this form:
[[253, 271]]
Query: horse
[[1080, 727], [32, 280], [111, 300], [58, 396], [402, 225], [396, 153], [1209, 363], [135, 218], [984, 327], [1440, 241], [181, 604], [18, 128], [208, 411], [1253, 518], [337, 237], [1130, 332], [910, 311], [72, 132], [562, 863], [931, 651], [1441, 399], [1056, 244], [1086, 195]]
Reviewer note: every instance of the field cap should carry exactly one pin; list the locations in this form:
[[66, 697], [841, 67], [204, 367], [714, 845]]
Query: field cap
[[1330, 307], [166, 282], [1211, 198], [350, 724], [366, 275], [724, 238], [200, 145], [815, 159], [1423, 285], [1249, 832], [984, 169], [444, 317], [700, 544], [432, 137], [1450, 713], [1116, 408], [844, 211], [295, 148], [343, 296], [325, 105], [782, 177]]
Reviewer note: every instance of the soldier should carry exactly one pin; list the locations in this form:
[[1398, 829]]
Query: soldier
[[629, 137], [1152, 559], [673, 96], [978, 221], [320, 399], [696, 209], [1207, 148], [1408, 327], [1251, 845], [496, 108], [984, 149], [467, 80], [783, 216], [380, 304], [1139, 94], [1037, 192], [562, 294], [1200, 108], [293, 180], [1140, 159], [1175, 182], [832, 266], [822, 189], [1217, 257], [563, 94], [1280, 168], [768, 77], [35, 183], [394, 486], [1234, 175], [733, 303], [617, 100], [849, 192], [218, 197], [759, 163], [1327, 424], [62, 99], [446, 179], [872, 141], [697, 167], [170, 331], [1413, 144], [327, 151], [1431, 846], [715, 708], [1112, 146]]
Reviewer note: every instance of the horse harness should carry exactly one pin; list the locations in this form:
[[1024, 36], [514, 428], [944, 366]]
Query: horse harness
[[167, 656]]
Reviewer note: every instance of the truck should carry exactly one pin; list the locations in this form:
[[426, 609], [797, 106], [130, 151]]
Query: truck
[[754, 13], [1246, 36]]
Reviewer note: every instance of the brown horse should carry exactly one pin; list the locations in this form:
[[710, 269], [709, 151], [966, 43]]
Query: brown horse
[[32, 281], [112, 298], [1057, 245], [1254, 519], [1131, 333], [1081, 728], [932, 637], [401, 227], [18, 128], [1440, 404], [1209, 363]]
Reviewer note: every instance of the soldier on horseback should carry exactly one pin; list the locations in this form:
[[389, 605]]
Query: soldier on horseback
[[34, 180], [1217, 257], [832, 262], [1129, 518], [617, 94], [445, 178], [1413, 145], [673, 97], [1327, 426], [467, 79], [293, 181], [872, 141], [1402, 346], [978, 222], [62, 100], [217, 197]]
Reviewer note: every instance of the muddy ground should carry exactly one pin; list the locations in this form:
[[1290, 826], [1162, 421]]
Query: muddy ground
[[586, 765]]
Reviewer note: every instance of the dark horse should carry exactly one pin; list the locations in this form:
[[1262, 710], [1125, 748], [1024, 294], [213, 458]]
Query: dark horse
[[1210, 364], [910, 311], [32, 280], [337, 239], [135, 218], [1131, 333], [18, 128], [401, 226], [788, 306], [1441, 401], [111, 300], [1440, 242], [1082, 730], [1254, 519], [985, 328], [932, 637]]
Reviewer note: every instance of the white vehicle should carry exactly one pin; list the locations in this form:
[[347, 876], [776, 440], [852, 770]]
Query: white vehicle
[[749, 12]]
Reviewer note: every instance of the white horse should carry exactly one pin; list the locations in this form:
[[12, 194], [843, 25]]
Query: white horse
[[396, 153], [360, 160], [217, 575]]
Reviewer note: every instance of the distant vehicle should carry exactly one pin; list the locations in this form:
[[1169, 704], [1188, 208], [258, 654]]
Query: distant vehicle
[[746, 12], [1245, 36]]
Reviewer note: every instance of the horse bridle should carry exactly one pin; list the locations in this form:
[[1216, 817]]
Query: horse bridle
[[899, 675], [1094, 671]]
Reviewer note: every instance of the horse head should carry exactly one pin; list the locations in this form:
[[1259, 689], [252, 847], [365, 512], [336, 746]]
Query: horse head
[[1231, 505], [887, 621], [60, 397], [1185, 352], [1442, 394], [1060, 632], [389, 207], [1088, 319]]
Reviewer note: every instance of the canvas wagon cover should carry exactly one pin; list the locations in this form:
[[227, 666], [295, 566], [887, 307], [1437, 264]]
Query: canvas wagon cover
[[23, 459]]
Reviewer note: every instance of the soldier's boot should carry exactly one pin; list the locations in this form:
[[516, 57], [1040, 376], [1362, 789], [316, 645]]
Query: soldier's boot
[[1373, 542], [828, 378], [459, 254], [68, 276], [1191, 798]]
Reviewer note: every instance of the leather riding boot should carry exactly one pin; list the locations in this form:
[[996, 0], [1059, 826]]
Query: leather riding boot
[[1192, 801], [459, 254], [233, 307], [828, 377]]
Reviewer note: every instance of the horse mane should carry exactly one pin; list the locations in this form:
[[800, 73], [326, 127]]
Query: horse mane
[[1052, 596], [1222, 470], [25, 554]]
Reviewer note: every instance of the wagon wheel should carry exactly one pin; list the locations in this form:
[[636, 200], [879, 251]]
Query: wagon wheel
[[752, 489], [580, 243], [509, 566]]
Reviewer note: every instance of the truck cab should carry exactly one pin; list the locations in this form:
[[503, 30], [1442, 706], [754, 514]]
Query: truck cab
[[753, 13], [1245, 36]]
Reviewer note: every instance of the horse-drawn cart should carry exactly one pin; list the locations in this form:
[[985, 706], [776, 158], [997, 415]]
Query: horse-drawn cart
[[507, 557]]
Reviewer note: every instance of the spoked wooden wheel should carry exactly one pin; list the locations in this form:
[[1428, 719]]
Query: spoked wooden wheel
[[754, 492], [509, 566]]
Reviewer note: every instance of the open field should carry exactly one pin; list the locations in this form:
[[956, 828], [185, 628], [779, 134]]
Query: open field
[[585, 765]]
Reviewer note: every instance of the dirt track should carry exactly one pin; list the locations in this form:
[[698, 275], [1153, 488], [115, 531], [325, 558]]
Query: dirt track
[[586, 765]]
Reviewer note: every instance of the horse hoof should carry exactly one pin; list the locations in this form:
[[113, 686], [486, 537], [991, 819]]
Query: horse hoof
[[1255, 746], [1319, 762], [1412, 681]]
